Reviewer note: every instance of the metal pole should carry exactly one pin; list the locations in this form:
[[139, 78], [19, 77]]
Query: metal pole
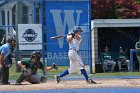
[[90, 37], [131, 59], [34, 12], [42, 22], [18, 21]]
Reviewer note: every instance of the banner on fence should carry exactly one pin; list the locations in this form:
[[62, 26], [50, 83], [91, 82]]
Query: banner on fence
[[61, 17], [30, 36]]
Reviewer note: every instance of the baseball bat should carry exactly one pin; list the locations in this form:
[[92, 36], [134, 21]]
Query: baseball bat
[[56, 37]]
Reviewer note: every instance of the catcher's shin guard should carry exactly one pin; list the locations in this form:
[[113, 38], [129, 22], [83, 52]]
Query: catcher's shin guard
[[21, 78], [43, 79], [34, 79], [25, 74]]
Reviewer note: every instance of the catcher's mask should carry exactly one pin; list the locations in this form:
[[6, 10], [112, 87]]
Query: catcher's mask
[[36, 54]]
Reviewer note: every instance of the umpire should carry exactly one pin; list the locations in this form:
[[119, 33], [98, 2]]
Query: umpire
[[30, 67], [5, 59]]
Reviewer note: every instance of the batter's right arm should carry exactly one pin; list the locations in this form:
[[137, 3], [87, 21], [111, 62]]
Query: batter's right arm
[[69, 38]]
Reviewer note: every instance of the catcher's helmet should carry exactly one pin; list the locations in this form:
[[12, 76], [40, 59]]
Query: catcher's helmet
[[33, 54], [77, 29], [36, 54]]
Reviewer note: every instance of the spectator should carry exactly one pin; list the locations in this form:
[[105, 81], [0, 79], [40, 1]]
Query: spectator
[[107, 59], [137, 46], [123, 59]]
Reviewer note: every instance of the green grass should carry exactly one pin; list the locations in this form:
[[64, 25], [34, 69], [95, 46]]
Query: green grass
[[116, 74], [14, 75]]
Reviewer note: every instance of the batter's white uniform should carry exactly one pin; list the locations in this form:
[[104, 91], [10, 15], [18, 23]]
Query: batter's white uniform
[[75, 60]]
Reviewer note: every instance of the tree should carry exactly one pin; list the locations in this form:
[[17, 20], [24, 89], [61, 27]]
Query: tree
[[108, 9], [103, 9], [138, 1], [127, 9]]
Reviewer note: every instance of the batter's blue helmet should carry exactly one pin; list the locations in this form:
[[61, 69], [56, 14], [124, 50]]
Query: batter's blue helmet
[[77, 29]]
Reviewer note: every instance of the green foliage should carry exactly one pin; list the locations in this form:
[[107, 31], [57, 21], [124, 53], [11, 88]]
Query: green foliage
[[138, 1], [113, 9]]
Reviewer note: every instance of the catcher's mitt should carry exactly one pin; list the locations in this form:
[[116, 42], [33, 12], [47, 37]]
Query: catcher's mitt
[[54, 66]]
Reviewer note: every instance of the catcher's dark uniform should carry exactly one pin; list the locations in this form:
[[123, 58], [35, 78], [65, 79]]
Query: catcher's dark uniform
[[30, 74]]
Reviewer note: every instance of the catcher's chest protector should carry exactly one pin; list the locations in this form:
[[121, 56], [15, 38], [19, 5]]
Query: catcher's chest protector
[[34, 66]]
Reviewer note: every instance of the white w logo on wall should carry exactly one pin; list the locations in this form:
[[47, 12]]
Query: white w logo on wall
[[67, 20]]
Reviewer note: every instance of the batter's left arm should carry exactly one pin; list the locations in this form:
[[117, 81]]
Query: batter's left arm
[[78, 37]]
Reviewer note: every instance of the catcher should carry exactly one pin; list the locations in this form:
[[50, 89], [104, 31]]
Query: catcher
[[29, 69]]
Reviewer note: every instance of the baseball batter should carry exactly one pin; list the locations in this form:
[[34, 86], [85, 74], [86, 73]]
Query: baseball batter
[[74, 41], [29, 69]]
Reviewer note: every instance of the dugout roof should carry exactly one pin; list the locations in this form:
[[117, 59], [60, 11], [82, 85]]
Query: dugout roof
[[115, 23]]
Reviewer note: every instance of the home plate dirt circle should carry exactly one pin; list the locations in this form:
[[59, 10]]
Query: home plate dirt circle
[[68, 84]]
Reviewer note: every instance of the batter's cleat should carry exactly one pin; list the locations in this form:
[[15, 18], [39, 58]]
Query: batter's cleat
[[90, 81], [43, 79], [57, 79], [54, 66]]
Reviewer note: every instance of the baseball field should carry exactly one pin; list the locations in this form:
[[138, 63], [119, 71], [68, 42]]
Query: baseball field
[[75, 81]]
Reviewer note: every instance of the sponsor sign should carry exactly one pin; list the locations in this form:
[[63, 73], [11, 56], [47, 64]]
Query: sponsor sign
[[30, 36]]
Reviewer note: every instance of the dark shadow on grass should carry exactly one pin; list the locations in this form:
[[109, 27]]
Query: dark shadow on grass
[[19, 84]]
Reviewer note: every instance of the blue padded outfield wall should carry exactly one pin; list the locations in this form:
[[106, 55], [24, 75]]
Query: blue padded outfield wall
[[61, 17]]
